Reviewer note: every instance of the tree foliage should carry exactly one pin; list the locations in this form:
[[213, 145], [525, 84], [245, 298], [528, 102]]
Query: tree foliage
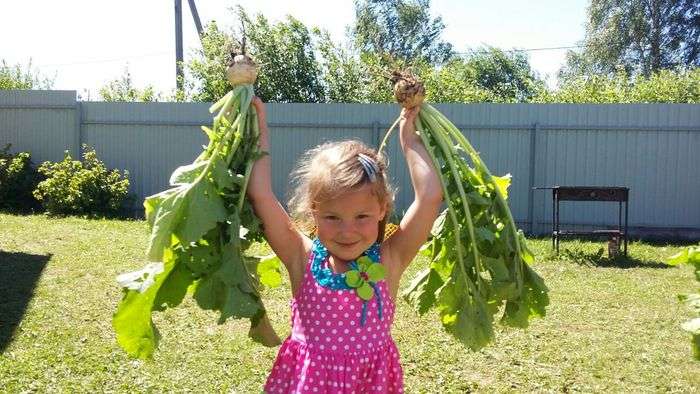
[[123, 89], [207, 70], [508, 77], [289, 70], [403, 29], [18, 77], [665, 86], [344, 76], [638, 36]]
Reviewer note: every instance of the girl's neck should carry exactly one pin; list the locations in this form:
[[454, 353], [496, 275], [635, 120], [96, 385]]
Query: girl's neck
[[338, 265]]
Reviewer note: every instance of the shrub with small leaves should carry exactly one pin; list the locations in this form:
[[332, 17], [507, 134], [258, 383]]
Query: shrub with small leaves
[[83, 188], [18, 178], [691, 256]]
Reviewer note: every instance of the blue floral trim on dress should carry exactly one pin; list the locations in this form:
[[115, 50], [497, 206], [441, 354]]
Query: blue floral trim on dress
[[330, 280]]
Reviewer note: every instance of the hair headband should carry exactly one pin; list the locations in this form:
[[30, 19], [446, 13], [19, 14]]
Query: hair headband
[[370, 166]]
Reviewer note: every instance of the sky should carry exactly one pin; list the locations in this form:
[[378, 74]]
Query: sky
[[82, 45]]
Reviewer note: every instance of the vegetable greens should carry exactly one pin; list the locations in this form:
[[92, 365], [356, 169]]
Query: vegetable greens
[[200, 229], [479, 261]]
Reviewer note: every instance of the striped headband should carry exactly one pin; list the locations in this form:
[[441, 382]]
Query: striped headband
[[370, 166]]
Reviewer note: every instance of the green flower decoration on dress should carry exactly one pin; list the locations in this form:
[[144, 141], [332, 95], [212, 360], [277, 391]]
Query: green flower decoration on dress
[[363, 276]]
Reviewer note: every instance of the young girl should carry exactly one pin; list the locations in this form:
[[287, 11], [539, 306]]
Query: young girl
[[344, 281]]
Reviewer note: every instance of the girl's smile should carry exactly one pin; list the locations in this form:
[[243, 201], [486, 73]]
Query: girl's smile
[[349, 224]]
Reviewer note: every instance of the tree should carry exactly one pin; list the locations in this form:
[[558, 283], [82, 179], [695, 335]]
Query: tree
[[508, 77], [400, 28], [208, 67], [666, 86], [288, 72], [122, 89], [344, 76], [454, 82], [18, 77], [638, 36]]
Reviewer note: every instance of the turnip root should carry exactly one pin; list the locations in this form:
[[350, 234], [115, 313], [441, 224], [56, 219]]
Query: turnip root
[[241, 70], [408, 91], [479, 260]]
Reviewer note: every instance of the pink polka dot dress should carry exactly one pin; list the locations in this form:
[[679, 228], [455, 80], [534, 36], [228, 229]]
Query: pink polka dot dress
[[339, 343]]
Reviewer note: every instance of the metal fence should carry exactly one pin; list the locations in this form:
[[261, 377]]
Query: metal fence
[[651, 148]]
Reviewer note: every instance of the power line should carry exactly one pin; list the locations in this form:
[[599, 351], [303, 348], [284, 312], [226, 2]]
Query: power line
[[521, 50], [155, 54]]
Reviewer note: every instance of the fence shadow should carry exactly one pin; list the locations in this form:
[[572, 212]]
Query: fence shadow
[[19, 274], [600, 258]]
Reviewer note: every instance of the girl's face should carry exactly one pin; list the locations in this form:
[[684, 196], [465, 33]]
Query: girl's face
[[349, 224]]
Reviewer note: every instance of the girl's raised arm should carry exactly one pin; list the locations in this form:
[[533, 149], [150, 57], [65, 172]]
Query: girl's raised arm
[[284, 239], [416, 224]]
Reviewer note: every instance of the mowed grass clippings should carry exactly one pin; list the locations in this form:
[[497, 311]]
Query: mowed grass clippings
[[613, 325]]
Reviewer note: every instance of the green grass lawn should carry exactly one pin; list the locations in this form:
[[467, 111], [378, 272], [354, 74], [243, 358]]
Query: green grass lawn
[[612, 326]]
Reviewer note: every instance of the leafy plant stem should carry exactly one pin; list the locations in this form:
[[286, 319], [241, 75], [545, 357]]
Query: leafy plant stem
[[450, 209], [459, 137], [448, 152], [387, 134]]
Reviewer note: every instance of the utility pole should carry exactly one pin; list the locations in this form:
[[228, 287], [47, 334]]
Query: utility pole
[[195, 16], [179, 57], [179, 72]]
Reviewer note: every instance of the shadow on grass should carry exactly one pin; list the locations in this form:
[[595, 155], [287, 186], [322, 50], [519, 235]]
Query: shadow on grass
[[19, 273], [599, 258]]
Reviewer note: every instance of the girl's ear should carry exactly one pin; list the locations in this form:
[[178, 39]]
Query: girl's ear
[[383, 212], [382, 223]]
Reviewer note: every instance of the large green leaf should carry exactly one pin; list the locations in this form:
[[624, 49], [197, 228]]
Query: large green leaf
[[269, 271], [502, 183], [212, 293], [187, 174], [202, 209], [152, 203], [166, 218], [132, 322], [502, 285], [239, 304], [421, 292], [200, 258], [532, 301], [464, 316], [221, 174], [209, 292], [174, 288]]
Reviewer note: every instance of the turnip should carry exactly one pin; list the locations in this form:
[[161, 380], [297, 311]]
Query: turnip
[[408, 91], [200, 229], [242, 70], [479, 260]]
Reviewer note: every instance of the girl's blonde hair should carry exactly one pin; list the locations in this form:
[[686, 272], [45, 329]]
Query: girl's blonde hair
[[332, 169]]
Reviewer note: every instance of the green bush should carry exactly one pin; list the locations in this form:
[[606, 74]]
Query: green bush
[[18, 178], [663, 87], [83, 188]]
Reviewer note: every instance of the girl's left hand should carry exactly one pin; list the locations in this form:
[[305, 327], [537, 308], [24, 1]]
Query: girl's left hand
[[407, 124], [259, 106]]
